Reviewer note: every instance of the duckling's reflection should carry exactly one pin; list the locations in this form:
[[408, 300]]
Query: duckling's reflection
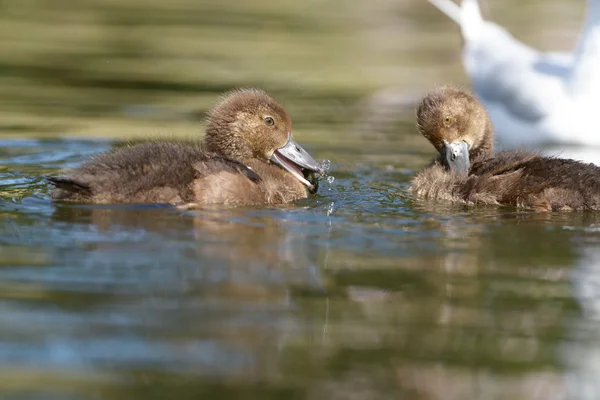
[[497, 295], [238, 236], [224, 275], [492, 294], [261, 252], [582, 355]]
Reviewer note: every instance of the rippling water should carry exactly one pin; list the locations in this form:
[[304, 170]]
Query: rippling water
[[358, 292]]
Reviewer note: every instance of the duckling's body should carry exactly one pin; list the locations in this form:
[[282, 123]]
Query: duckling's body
[[233, 166], [515, 179], [451, 117], [144, 173], [260, 183]]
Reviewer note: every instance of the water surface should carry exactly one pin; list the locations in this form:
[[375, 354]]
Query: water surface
[[357, 291]]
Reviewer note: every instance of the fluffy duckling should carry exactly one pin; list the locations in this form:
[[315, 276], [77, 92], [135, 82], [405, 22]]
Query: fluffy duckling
[[467, 171], [247, 157]]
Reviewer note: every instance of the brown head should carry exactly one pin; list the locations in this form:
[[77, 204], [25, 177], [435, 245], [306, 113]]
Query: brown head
[[249, 124], [451, 117]]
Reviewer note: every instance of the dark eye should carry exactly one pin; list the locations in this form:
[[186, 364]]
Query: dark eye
[[269, 121], [447, 119]]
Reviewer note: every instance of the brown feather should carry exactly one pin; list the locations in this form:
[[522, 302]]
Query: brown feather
[[231, 165], [513, 178]]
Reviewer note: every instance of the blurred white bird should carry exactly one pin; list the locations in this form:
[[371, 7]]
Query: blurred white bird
[[532, 97]]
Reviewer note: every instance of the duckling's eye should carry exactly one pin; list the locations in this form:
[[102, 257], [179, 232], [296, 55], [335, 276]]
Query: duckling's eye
[[269, 121], [447, 120]]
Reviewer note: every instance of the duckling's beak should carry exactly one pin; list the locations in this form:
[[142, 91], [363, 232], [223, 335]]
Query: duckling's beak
[[294, 159], [456, 156]]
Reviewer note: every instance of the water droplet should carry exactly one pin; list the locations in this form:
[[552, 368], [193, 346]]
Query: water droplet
[[326, 164], [330, 179], [330, 208]]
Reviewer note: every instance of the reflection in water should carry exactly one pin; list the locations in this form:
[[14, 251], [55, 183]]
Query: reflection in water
[[375, 297], [581, 353], [154, 289]]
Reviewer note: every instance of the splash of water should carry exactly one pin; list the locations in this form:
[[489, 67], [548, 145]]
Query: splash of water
[[330, 208], [330, 179], [326, 165]]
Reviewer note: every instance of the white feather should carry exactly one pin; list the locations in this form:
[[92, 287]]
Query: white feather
[[533, 97]]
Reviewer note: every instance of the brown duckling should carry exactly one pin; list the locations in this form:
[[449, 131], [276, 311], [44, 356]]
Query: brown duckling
[[248, 157], [467, 171]]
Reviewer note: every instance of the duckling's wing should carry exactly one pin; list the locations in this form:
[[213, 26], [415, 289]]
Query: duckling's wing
[[503, 162], [216, 163], [69, 185], [239, 167], [141, 173]]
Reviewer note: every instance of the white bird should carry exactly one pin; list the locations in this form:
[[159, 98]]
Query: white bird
[[533, 97]]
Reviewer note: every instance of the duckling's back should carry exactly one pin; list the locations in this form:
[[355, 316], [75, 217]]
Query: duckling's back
[[152, 172], [540, 183], [518, 179]]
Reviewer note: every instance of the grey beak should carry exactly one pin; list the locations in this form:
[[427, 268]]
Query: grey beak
[[293, 158], [296, 154], [456, 157]]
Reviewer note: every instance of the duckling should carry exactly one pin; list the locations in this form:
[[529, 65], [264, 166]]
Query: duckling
[[247, 157], [467, 171]]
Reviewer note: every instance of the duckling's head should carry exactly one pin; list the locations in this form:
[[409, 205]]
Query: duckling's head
[[457, 125], [249, 124]]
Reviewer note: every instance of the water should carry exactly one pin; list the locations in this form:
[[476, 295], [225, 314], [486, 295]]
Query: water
[[358, 292], [358, 289]]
